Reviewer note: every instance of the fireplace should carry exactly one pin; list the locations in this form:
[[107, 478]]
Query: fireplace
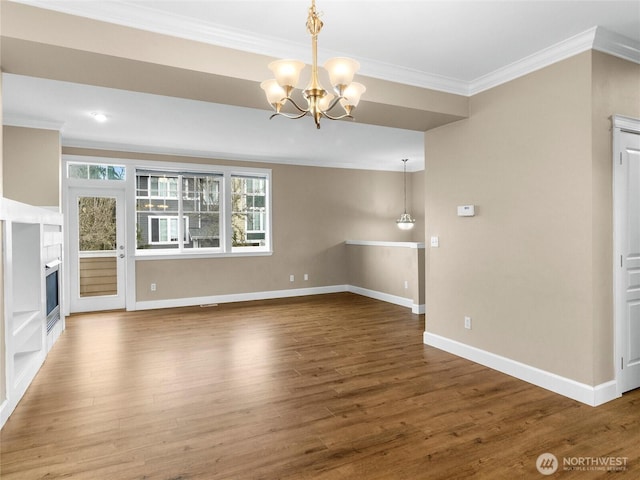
[[52, 290]]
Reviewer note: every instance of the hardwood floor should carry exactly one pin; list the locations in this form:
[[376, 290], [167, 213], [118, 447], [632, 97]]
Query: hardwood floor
[[326, 387]]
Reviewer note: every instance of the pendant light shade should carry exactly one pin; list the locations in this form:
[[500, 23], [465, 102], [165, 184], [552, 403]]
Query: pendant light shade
[[405, 222]]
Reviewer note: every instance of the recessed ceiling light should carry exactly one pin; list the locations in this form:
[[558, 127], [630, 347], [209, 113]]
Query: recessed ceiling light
[[99, 116]]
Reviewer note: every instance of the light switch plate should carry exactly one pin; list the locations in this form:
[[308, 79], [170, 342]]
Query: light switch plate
[[466, 210]]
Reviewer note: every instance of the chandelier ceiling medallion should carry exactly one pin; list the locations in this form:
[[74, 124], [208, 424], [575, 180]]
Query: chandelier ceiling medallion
[[319, 101]]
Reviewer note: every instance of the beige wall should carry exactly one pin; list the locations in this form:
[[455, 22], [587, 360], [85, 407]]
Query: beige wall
[[31, 167], [314, 211], [385, 269], [615, 91], [415, 204], [533, 267]]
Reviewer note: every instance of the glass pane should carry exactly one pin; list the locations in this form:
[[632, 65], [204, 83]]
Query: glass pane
[[115, 172], [164, 187], [97, 246], [248, 210], [86, 171], [78, 171], [97, 172], [157, 204], [201, 207]]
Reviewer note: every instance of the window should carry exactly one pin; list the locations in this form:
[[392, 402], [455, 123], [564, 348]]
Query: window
[[248, 200], [89, 171], [163, 198], [199, 198]]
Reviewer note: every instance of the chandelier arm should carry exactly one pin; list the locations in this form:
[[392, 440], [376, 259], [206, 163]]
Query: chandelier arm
[[298, 107], [346, 115], [333, 103], [292, 117]]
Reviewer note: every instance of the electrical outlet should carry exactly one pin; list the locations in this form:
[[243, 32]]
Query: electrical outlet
[[306, 277], [406, 284], [467, 323], [292, 278], [153, 287]]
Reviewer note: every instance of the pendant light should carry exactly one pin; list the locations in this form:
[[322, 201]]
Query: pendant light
[[405, 222]]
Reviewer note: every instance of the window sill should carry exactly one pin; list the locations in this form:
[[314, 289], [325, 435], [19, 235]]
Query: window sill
[[186, 256]]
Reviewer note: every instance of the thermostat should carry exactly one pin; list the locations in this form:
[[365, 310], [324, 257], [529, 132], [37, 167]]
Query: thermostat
[[466, 210]]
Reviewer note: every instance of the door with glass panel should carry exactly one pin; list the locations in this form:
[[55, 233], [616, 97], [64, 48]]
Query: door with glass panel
[[97, 249]]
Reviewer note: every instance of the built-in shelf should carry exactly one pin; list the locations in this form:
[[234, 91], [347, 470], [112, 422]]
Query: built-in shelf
[[23, 340], [31, 237], [22, 319], [26, 365]]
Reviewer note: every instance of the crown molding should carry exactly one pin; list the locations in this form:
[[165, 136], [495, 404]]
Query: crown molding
[[595, 38], [617, 45], [145, 17], [560, 51], [27, 122]]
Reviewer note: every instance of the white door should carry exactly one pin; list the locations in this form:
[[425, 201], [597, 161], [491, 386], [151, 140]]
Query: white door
[[97, 254], [627, 233]]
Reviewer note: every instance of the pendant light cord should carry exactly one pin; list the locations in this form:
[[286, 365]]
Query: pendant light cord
[[404, 161]]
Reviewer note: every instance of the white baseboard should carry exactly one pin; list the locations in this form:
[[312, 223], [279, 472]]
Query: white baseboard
[[386, 297], [581, 392], [239, 297], [418, 309], [296, 292], [4, 413]]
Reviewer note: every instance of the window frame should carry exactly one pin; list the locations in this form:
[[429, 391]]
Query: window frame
[[226, 249]]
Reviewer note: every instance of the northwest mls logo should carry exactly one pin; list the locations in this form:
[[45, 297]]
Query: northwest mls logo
[[547, 464]]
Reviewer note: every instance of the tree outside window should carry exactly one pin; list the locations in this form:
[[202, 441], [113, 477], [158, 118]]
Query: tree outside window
[[248, 218]]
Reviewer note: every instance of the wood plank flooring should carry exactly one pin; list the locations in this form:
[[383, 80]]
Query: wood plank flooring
[[329, 387]]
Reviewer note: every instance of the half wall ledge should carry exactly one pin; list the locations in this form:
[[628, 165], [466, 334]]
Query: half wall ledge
[[391, 269]]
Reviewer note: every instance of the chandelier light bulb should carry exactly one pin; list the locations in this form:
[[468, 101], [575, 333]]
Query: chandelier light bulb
[[287, 72], [326, 101], [275, 93], [352, 95], [341, 71]]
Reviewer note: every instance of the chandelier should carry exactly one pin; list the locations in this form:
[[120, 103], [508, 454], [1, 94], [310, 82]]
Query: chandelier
[[319, 101], [405, 222]]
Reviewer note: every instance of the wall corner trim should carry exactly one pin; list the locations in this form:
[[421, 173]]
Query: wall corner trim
[[590, 395]]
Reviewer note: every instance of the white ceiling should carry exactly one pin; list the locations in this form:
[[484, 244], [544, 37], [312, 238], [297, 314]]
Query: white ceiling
[[455, 46]]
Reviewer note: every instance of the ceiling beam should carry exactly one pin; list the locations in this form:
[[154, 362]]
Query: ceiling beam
[[53, 45]]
